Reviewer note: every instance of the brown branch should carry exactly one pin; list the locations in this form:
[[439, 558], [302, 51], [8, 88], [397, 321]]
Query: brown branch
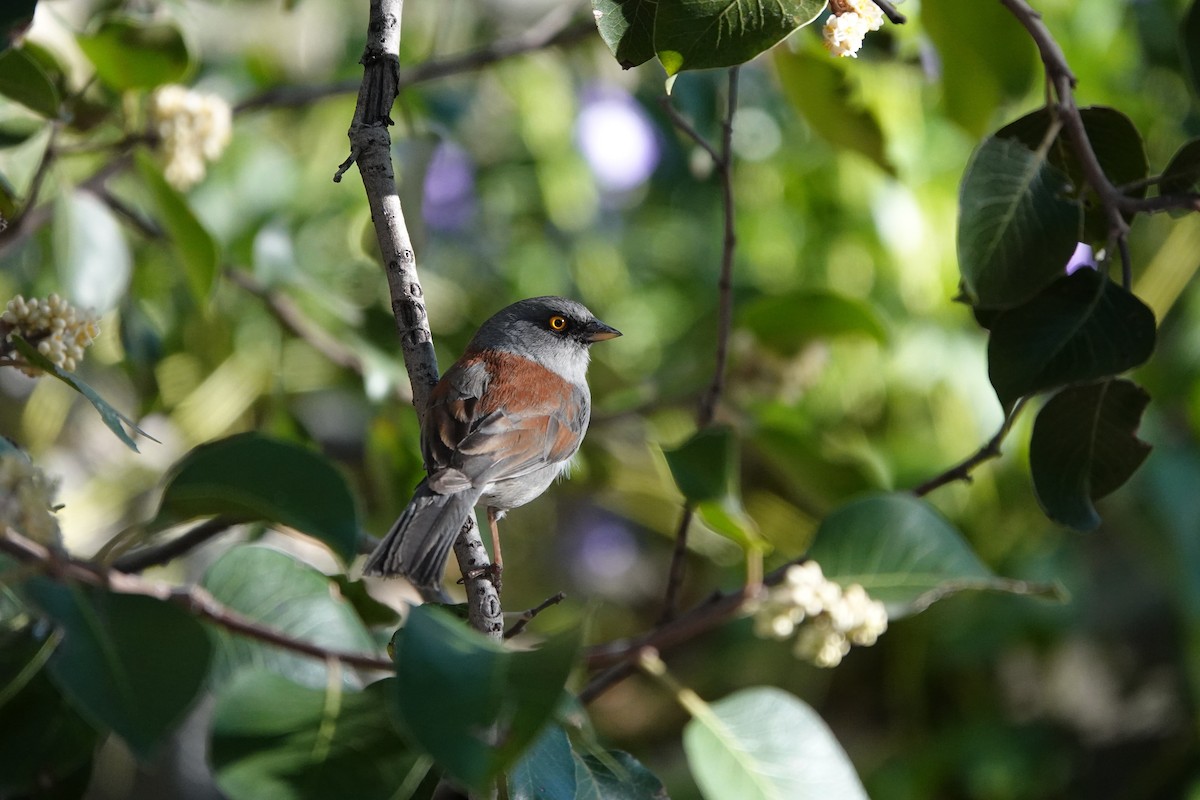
[[195, 599], [528, 615], [370, 147], [141, 560], [962, 470], [723, 163]]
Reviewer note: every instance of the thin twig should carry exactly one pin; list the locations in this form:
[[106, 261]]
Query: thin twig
[[528, 615], [962, 470], [195, 599], [723, 163], [141, 560], [890, 11]]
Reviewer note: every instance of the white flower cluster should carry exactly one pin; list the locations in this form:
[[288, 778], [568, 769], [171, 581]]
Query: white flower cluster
[[849, 24], [58, 329], [194, 127], [26, 500], [829, 619]]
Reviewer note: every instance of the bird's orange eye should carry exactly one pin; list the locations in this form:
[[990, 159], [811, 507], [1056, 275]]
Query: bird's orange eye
[[558, 323]]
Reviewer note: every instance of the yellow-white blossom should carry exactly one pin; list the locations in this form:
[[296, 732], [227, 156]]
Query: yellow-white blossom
[[58, 330], [27, 499], [848, 24], [194, 127]]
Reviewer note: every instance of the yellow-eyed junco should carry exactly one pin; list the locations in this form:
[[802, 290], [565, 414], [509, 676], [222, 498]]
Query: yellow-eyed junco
[[501, 425]]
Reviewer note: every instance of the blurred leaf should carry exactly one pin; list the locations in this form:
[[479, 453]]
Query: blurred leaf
[[1081, 328], [469, 702], [15, 18], [904, 553], [818, 88], [115, 420], [627, 27], [130, 53], [23, 80], [274, 739], [701, 34], [193, 246], [1189, 45], [1182, 174], [106, 668], [1085, 446], [547, 769], [1016, 228], [288, 596], [728, 518], [42, 739], [17, 130], [986, 59], [802, 457], [252, 477], [616, 776], [90, 251], [765, 743], [369, 610], [785, 323], [705, 466]]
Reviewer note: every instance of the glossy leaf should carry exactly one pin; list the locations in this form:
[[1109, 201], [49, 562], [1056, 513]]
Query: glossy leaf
[[113, 419], [194, 248], [765, 744], [615, 776], [23, 80], [705, 466], [288, 596], [904, 553], [129, 53], [1189, 45], [253, 477], [273, 738], [90, 252], [818, 87], [15, 18], [1081, 328], [627, 27], [1085, 446], [106, 669], [547, 769], [702, 34], [469, 702], [785, 323], [1016, 227]]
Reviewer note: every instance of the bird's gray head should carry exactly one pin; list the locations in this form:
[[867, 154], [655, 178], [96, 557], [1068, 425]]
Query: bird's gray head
[[553, 331]]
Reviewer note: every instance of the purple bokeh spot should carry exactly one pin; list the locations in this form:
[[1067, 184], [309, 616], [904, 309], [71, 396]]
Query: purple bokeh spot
[[616, 139], [449, 202], [1081, 258]]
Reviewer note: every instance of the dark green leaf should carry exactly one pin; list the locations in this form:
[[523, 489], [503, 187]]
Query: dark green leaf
[[785, 323], [701, 34], [194, 248], [765, 744], [904, 553], [546, 771], [705, 466], [108, 670], [22, 79], [252, 477], [627, 27], [818, 87], [1189, 45], [1182, 174], [274, 739], [616, 776], [133, 54], [469, 702], [1085, 446], [1081, 328], [1016, 227], [288, 596], [15, 18], [115, 420]]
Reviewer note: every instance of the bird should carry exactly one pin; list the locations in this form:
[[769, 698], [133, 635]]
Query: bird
[[502, 423]]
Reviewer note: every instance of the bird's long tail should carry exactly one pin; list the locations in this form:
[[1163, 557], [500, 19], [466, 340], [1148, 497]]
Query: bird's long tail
[[419, 542]]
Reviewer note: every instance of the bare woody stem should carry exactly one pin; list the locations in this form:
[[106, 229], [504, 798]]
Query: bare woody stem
[[370, 148], [962, 470]]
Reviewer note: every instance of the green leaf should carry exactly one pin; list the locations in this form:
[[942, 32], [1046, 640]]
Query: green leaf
[[90, 252], [785, 323], [131, 53], [705, 466], [1189, 45], [547, 769], [702, 34], [1084, 446], [130, 663], [904, 553], [616, 776], [15, 18], [274, 739], [42, 739], [253, 477], [194, 248], [469, 702], [18, 130], [115, 420], [1016, 227], [763, 743], [627, 27], [275, 589], [1081, 328], [23, 80], [728, 518], [819, 88], [1182, 174]]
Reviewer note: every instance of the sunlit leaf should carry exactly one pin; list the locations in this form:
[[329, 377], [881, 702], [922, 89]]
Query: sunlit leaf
[[765, 744], [90, 251], [701, 34], [1016, 227], [23, 80], [627, 27], [1085, 446], [131, 53]]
